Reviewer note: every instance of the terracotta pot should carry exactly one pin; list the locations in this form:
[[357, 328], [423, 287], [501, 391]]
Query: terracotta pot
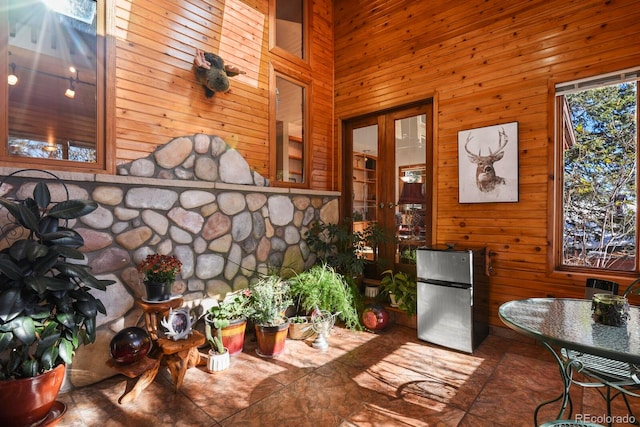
[[271, 339], [158, 291], [28, 401]]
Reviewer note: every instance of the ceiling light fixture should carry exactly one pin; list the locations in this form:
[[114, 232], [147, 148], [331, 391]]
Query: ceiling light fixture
[[71, 92], [12, 79]]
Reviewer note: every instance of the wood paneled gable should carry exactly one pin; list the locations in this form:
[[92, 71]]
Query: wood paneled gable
[[158, 97], [484, 63]]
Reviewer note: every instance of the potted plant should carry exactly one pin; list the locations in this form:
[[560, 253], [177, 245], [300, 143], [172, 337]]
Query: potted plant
[[374, 236], [402, 289], [218, 357], [159, 273], [229, 318], [346, 249], [46, 307], [300, 327], [338, 246], [321, 287], [268, 300]]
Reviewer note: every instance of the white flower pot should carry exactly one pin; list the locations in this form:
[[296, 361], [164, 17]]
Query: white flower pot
[[218, 362], [394, 303]]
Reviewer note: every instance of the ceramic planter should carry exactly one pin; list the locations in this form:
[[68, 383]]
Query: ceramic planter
[[158, 291], [218, 362], [393, 302], [271, 339], [28, 401], [300, 328], [232, 335]]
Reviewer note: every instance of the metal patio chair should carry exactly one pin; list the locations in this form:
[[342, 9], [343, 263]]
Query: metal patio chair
[[610, 378]]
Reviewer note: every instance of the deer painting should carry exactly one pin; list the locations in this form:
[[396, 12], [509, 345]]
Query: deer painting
[[486, 178]]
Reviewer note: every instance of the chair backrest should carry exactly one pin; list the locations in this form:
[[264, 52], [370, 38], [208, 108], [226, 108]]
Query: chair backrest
[[633, 288], [599, 286]]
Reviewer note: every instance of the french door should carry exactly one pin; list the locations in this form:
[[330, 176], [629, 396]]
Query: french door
[[388, 180]]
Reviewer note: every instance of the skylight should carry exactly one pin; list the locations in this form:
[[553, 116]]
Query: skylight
[[82, 10]]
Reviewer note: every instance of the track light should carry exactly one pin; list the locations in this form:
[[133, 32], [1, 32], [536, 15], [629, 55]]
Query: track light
[[12, 79], [71, 92]]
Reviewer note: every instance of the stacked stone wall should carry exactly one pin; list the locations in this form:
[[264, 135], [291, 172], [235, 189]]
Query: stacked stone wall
[[195, 198]]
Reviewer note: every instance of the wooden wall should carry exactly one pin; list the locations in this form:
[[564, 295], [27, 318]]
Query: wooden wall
[[158, 97], [484, 63]]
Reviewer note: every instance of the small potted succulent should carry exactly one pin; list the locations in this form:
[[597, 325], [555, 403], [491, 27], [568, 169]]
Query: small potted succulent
[[159, 273], [268, 301], [218, 354], [229, 318]]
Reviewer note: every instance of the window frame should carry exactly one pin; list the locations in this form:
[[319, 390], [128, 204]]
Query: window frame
[[296, 70], [558, 90], [282, 53], [105, 104], [306, 155]]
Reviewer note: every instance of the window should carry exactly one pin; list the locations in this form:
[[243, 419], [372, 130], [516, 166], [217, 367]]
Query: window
[[289, 28], [54, 99], [290, 97], [597, 136], [290, 130]]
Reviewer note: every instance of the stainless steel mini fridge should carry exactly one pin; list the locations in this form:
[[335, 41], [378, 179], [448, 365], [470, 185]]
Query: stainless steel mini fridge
[[453, 307]]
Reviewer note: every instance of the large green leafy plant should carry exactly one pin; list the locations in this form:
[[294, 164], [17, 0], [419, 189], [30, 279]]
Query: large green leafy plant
[[322, 288], [46, 309]]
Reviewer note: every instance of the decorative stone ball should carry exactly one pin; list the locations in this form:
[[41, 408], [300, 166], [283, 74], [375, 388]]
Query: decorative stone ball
[[130, 345], [375, 317]]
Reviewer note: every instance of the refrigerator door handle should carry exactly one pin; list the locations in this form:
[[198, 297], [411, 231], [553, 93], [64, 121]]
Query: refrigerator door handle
[[455, 285]]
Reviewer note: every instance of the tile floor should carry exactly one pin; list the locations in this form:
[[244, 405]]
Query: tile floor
[[364, 379]]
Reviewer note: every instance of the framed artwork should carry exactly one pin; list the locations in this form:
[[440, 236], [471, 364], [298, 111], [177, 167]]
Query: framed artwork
[[177, 324], [488, 164]]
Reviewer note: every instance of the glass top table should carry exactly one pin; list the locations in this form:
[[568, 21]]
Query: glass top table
[[562, 324], [568, 323]]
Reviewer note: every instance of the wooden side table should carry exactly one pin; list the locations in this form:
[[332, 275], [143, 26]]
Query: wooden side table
[[178, 355]]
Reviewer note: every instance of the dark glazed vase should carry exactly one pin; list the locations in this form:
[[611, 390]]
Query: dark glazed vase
[[158, 291], [130, 345], [375, 317], [271, 339], [28, 401]]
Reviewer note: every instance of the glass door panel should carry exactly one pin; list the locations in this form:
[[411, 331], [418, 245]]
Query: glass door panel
[[364, 187], [410, 164], [388, 182]]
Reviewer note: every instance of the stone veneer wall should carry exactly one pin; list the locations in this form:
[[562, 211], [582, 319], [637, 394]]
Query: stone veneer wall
[[196, 198]]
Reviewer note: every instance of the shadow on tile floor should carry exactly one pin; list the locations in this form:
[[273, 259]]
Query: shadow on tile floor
[[386, 379]]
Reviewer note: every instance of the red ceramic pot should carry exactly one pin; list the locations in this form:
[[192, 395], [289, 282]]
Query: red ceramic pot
[[28, 401], [233, 336]]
